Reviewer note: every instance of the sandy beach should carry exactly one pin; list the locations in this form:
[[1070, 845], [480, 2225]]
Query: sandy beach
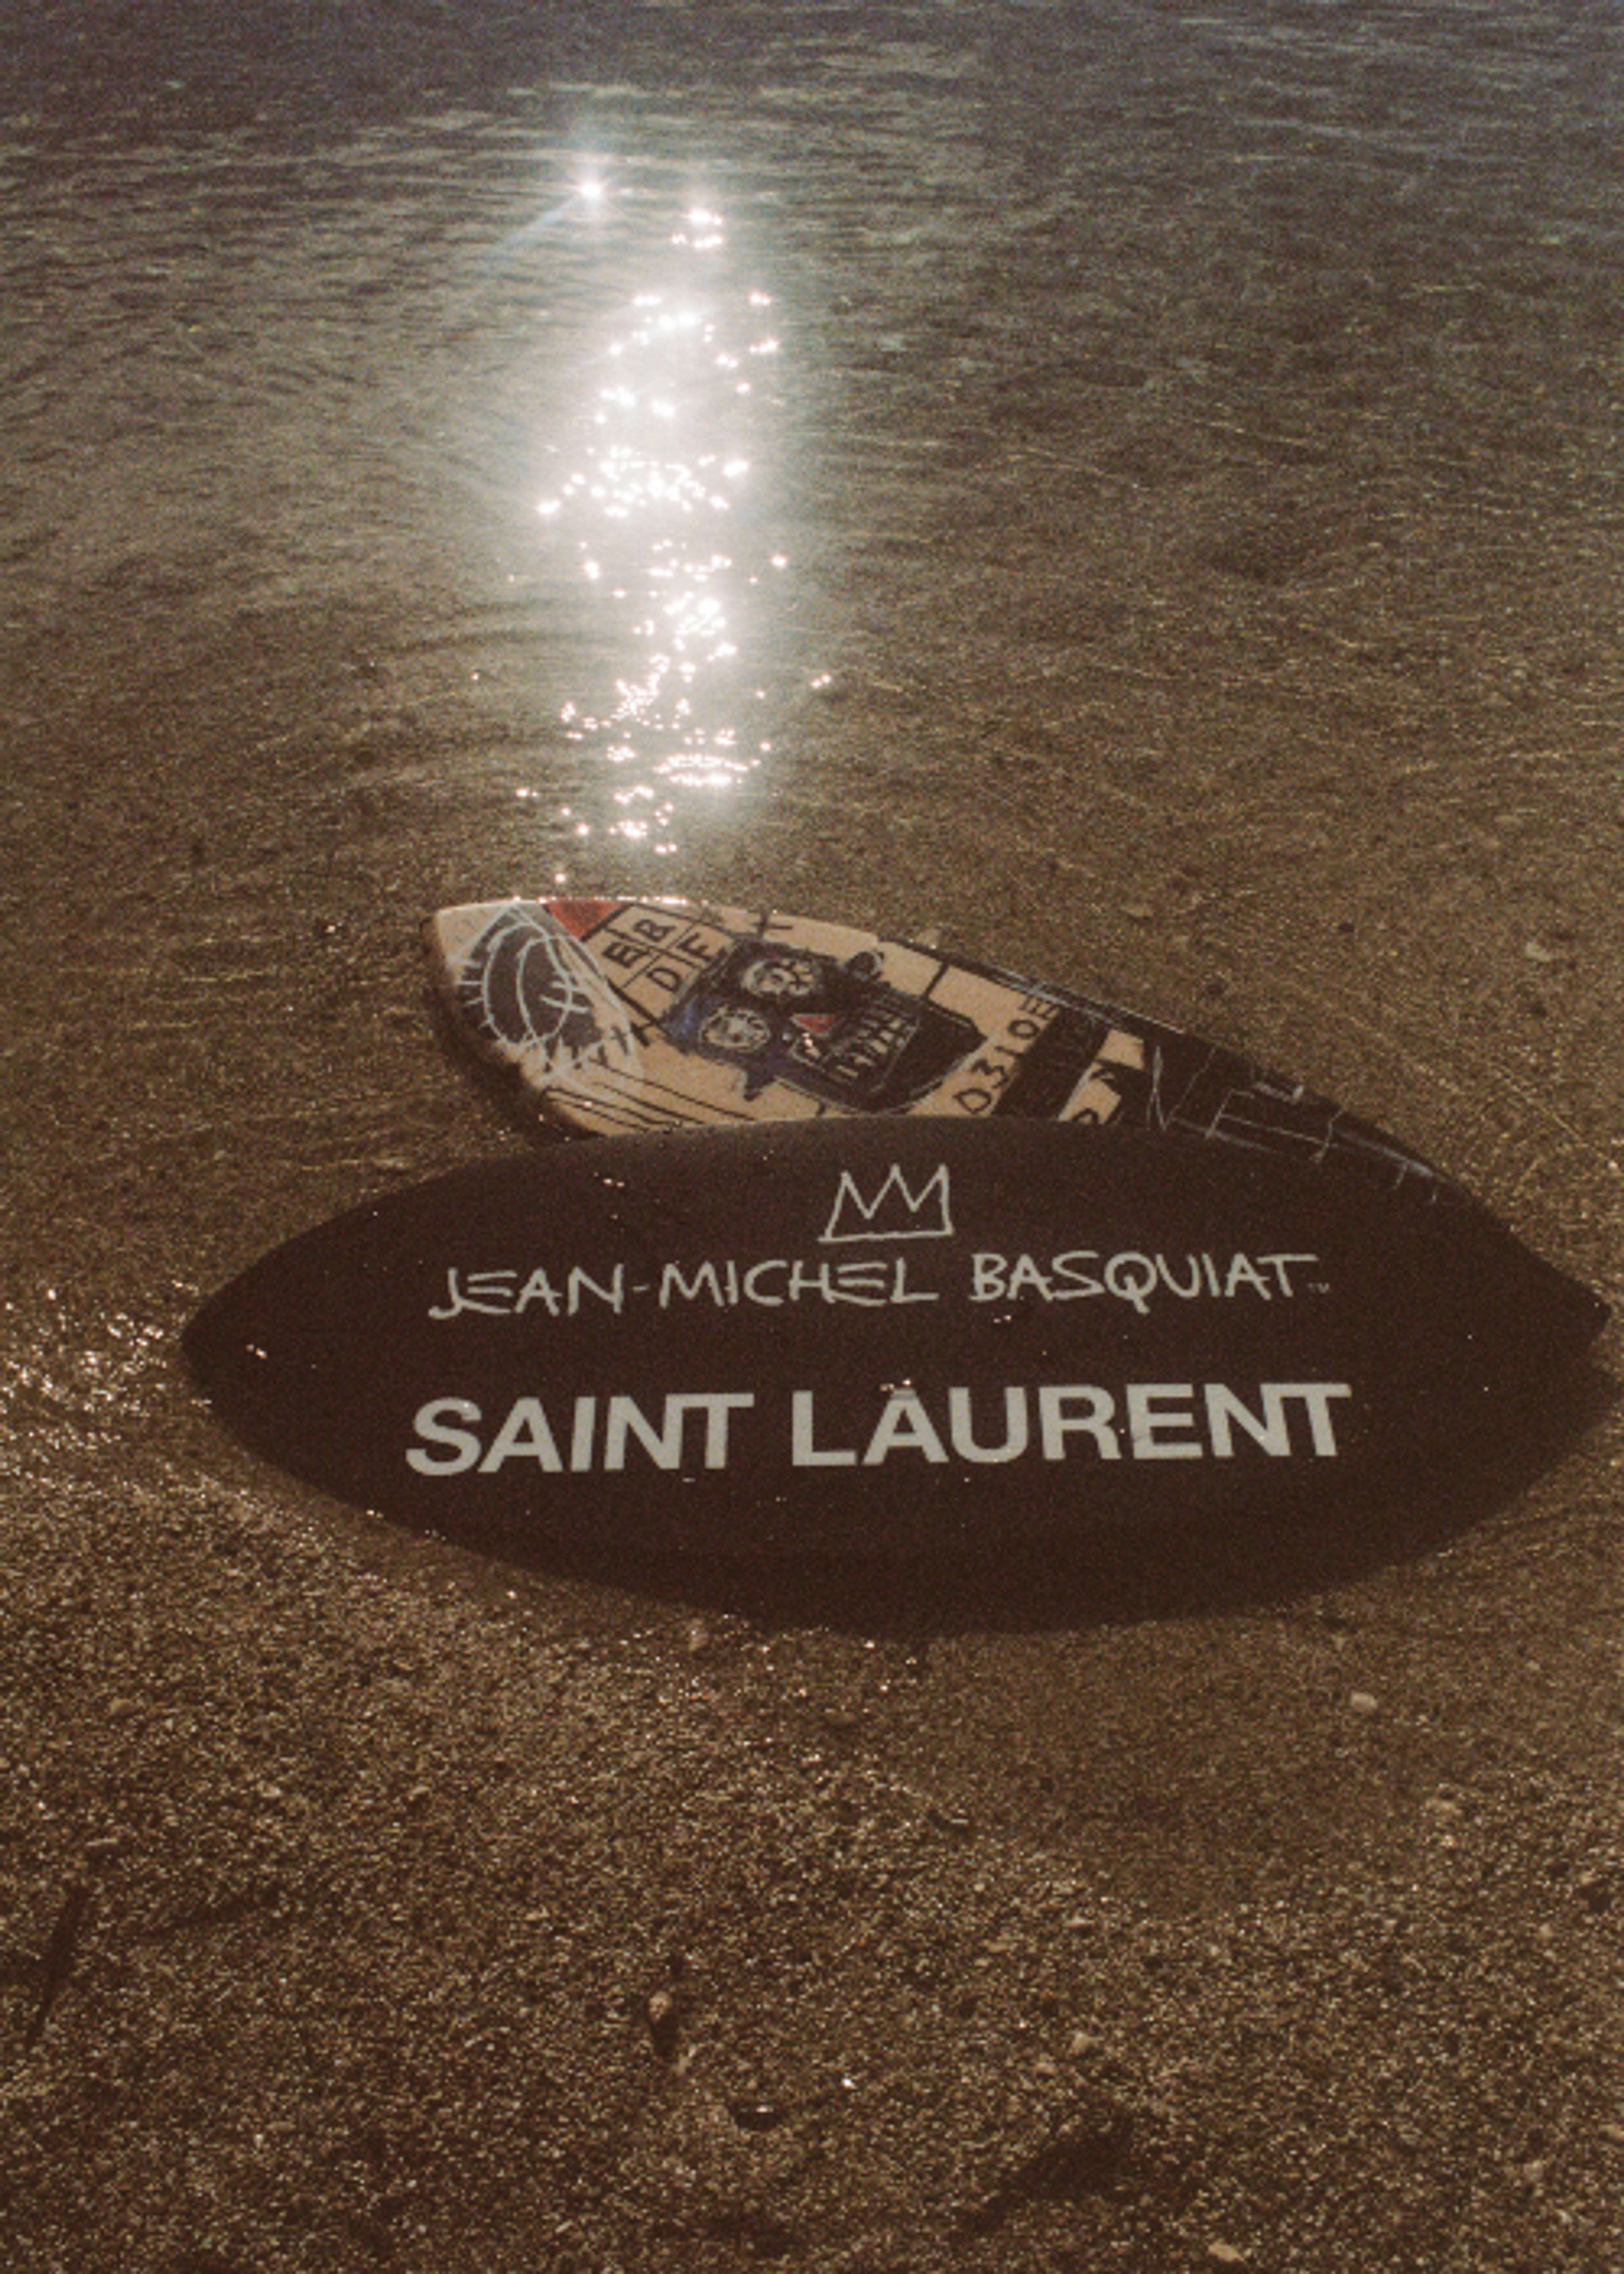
[[1168, 544]]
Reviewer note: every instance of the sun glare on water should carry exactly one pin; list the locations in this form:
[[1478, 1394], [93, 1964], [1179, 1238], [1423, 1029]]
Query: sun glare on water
[[659, 516]]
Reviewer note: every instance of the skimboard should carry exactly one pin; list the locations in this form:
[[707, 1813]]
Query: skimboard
[[889, 1334], [621, 1016]]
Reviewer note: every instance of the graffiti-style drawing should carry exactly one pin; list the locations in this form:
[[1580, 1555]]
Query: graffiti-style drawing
[[619, 1016]]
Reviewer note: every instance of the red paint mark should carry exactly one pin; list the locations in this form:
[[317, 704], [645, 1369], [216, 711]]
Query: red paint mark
[[580, 917]]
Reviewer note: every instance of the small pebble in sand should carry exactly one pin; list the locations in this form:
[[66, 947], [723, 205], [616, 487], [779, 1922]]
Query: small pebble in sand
[[664, 2022], [1360, 1701]]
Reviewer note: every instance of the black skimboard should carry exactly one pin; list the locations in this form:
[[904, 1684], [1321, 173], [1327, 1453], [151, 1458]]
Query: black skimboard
[[889, 1335]]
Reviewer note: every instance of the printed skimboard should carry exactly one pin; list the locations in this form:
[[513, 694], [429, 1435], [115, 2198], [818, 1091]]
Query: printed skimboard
[[620, 1016], [885, 1335]]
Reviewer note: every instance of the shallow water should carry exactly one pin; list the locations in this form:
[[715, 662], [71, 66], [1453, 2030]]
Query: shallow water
[[1135, 486]]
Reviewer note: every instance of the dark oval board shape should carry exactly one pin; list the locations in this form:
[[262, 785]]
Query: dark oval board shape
[[876, 1335]]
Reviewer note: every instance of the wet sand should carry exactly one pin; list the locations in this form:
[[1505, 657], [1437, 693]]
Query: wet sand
[[1190, 444]]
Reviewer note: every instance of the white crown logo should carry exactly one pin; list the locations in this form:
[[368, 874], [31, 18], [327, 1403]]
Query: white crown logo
[[895, 1212]]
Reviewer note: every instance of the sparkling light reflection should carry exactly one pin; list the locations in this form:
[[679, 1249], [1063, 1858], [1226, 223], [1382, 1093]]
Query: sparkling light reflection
[[658, 518]]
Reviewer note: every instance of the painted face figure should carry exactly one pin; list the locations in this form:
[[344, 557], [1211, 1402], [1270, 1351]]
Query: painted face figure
[[793, 980], [834, 1031], [736, 1031]]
